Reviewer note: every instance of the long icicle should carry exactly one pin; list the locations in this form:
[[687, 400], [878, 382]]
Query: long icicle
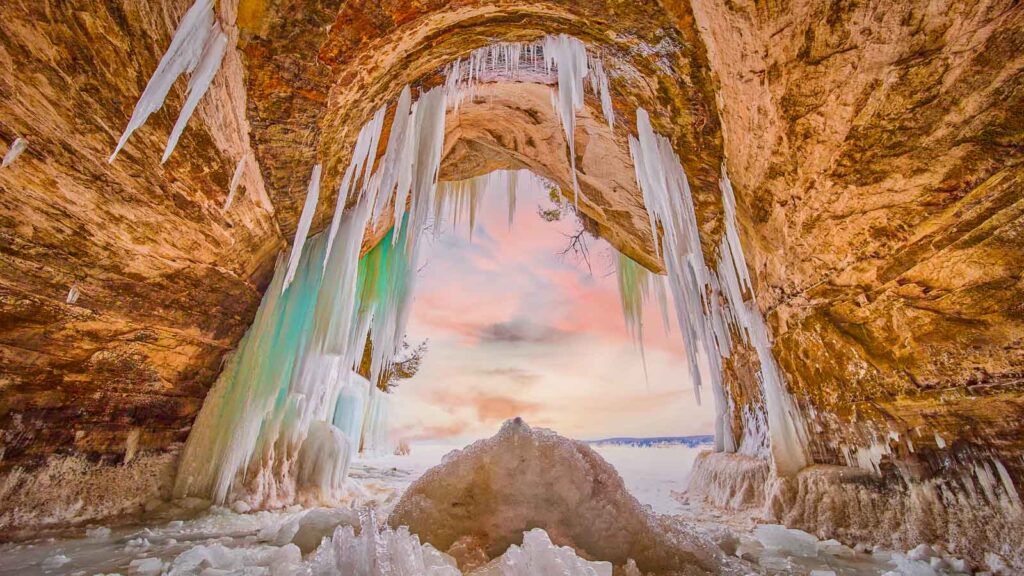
[[183, 55], [308, 210]]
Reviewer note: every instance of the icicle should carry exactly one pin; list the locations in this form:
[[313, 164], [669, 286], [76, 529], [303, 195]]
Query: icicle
[[696, 290], [73, 294], [308, 210], [199, 83], [236, 179], [599, 84], [17, 147], [183, 55], [635, 283], [570, 57]]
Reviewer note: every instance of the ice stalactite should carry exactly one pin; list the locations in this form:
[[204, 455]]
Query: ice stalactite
[[636, 284], [703, 317], [785, 424], [376, 432], [198, 83], [17, 147], [569, 56], [350, 409], [198, 48], [561, 60], [236, 179], [308, 209], [460, 200], [73, 294], [599, 85], [254, 435]]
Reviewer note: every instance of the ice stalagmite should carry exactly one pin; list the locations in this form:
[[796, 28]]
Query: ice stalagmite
[[308, 210], [183, 55], [17, 147], [198, 83]]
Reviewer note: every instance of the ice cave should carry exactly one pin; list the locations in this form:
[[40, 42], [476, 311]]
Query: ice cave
[[511, 288]]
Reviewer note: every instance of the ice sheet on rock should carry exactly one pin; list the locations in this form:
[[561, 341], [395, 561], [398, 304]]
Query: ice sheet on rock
[[73, 294], [17, 147], [538, 555], [584, 502]]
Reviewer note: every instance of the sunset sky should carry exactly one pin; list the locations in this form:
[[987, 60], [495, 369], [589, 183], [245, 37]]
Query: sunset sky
[[516, 329]]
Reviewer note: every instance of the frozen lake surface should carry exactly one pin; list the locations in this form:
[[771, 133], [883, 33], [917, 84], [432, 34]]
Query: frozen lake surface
[[259, 542]]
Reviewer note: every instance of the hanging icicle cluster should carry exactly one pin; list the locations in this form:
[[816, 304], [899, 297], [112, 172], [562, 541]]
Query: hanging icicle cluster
[[706, 315], [460, 200], [562, 59], [198, 48], [636, 286], [289, 393], [296, 361]]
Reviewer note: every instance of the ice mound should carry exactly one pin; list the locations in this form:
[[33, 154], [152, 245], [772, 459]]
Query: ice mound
[[376, 552], [524, 478], [539, 556]]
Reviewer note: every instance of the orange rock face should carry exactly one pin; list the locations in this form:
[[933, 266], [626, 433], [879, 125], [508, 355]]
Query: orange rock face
[[875, 150]]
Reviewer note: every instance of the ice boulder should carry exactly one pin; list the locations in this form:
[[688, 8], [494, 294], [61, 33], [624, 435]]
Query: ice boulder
[[524, 478]]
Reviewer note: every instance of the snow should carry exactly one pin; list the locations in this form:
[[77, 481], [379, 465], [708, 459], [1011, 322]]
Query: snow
[[17, 147], [287, 541]]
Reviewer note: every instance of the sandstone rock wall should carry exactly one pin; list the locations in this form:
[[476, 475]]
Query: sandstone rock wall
[[168, 281]]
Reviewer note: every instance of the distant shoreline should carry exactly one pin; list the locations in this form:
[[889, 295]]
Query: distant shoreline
[[691, 441]]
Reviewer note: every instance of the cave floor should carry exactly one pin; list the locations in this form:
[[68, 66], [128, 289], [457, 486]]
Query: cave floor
[[656, 476]]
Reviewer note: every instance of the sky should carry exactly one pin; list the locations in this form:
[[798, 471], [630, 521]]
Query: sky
[[514, 328]]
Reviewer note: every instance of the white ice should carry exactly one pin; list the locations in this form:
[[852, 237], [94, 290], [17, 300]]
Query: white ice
[[17, 147]]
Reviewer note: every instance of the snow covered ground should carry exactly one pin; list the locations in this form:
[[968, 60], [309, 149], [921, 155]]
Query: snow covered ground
[[277, 542]]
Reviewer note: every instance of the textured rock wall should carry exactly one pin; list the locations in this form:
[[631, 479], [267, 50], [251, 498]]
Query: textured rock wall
[[168, 280], [876, 150]]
